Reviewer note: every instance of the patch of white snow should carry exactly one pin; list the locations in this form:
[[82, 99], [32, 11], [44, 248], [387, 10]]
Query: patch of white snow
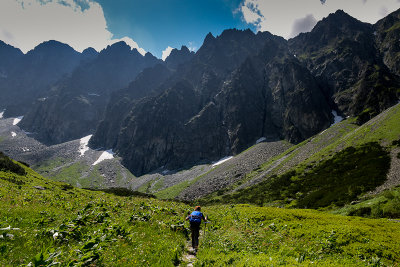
[[93, 94], [13, 134], [17, 120], [25, 149], [337, 118], [262, 139], [1, 114], [108, 154], [221, 161], [25, 132], [83, 147]]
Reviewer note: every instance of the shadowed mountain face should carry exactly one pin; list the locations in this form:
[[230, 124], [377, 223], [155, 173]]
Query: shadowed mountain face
[[29, 76], [237, 88], [343, 55], [10, 58], [76, 103], [220, 102]]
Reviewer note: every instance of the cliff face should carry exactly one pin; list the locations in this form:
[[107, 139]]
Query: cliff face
[[29, 76], [237, 88], [76, 103], [217, 103], [343, 54]]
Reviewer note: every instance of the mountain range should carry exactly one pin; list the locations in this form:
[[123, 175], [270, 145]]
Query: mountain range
[[238, 89]]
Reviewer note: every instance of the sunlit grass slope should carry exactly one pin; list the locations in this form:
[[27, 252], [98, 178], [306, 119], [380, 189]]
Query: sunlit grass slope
[[47, 223], [57, 223], [244, 235]]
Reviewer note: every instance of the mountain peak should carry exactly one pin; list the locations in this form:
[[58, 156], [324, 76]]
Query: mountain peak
[[51, 45], [209, 38], [178, 56]]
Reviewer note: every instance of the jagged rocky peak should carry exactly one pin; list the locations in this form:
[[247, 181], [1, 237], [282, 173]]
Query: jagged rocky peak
[[179, 56], [149, 56], [208, 39], [120, 46], [343, 21], [334, 28]]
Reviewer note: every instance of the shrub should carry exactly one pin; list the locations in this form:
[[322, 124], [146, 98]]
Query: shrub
[[6, 164]]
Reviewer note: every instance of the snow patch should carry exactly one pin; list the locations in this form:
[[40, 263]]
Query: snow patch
[[13, 134], [25, 149], [262, 139], [25, 132], [17, 120], [1, 114], [83, 147], [108, 154], [337, 118], [221, 161], [93, 94]]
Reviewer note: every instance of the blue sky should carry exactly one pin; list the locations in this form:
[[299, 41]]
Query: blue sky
[[160, 25]]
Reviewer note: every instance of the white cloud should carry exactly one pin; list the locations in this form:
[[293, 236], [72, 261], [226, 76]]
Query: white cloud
[[192, 47], [282, 17], [166, 53], [305, 24], [80, 23]]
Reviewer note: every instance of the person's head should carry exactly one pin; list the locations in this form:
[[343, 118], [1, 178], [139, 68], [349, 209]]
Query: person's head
[[197, 208]]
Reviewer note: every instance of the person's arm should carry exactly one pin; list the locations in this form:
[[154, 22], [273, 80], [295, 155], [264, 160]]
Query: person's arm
[[204, 217]]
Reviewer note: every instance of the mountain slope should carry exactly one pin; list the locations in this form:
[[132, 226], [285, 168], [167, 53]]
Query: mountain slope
[[341, 52], [344, 144], [201, 112], [31, 76], [76, 104]]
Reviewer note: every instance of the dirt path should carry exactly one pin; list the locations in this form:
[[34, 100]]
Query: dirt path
[[188, 257]]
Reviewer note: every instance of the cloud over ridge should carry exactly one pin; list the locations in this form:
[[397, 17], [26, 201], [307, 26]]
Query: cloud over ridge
[[287, 18], [79, 23]]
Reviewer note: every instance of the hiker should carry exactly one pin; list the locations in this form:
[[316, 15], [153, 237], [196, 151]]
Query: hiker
[[195, 221]]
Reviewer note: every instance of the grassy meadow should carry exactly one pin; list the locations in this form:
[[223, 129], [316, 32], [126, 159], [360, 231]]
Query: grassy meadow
[[48, 223]]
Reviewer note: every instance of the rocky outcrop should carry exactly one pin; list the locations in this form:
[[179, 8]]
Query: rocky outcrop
[[341, 52], [387, 32], [178, 57], [210, 109]]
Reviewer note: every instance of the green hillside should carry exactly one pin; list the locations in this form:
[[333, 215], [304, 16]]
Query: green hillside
[[334, 168], [47, 223]]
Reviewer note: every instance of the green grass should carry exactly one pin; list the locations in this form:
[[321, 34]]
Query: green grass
[[173, 191], [335, 181], [244, 235], [65, 226], [386, 204], [77, 227], [394, 27]]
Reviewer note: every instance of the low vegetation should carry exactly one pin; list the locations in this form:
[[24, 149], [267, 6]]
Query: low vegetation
[[245, 235], [48, 223], [335, 181]]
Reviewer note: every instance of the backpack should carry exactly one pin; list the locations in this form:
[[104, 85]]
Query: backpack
[[195, 217]]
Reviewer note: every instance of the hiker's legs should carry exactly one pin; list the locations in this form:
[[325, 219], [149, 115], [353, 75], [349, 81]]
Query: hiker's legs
[[195, 228]]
